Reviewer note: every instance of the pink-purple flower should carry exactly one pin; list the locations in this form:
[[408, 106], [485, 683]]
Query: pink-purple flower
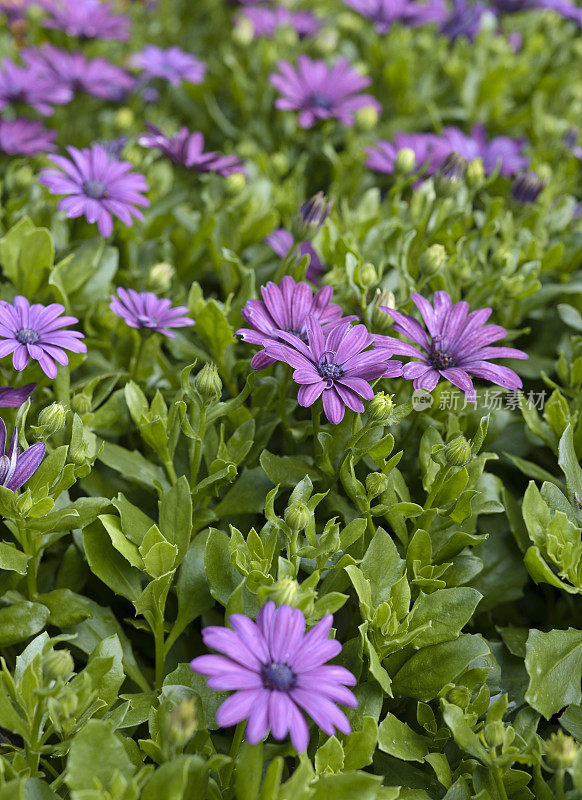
[[384, 13], [17, 467], [265, 20], [97, 186], [37, 332], [11, 397], [187, 148], [277, 672], [281, 242], [318, 91], [25, 137], [29, 86], [335, 364], [87, 19], [285, 307], [146, 310], [171, 64], [453, 344]]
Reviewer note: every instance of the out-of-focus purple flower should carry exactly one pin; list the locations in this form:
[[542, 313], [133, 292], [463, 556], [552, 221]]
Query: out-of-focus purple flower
[[25, 137], [321, 92], [527, 187], [384, 13], [87, 19], [14, 398], [172, 64], [276, 670], [97, 186], [465, 19], [429, 150], [188, 149], [570, 140], [565, 8], [265, 20], [95, 76], [16, 467], [29, 86], [114, 147], [36, 331], [147, 310], [335, 364], [452, 344], [286, 307], [281, 242]]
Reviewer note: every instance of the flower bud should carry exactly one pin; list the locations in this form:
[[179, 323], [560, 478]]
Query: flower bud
[[57, 665], [494, 733], [459, 696], [450, 174], [475, 173], [382, 321], [380, 407], [23, 177], [311, 217], [235, 182], [280, 163], [81, 404], [69, 702], [160, 277], [243, 32], [50, 420], [458, 452], [433, 259], [527, 187], [405, 161], [376, 483], [366, 275], [561, 750], [181, 723], [208, 383], [367, 118], [282, 592], [326, 40], [124, 118], [297, 516]]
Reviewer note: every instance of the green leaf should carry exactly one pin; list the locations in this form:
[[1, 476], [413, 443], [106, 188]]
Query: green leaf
[[96, 755], [20, 621], [447, 611], [249, 767], [399, 740], [66, 608], [176, 516], [347, 786], [12, 559], [108, 565], [569, 463], [359, 746], [222, 578], [287, 470], [381, 566], [554, 664]]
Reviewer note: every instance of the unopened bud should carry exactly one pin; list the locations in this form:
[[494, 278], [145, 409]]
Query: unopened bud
[[282, 592], [527, 187], [58, 665], [160, 277], [366, 275], [50, 420], [382, 321], [81, 404], [367, 118], [311, 217], [181, 723], [494, 733], [459, 696], [297, 516], [433, 259], [458, 452], [23, 177], [124, 118], [561, 750], [68, 702], [235, 182], [243, 32], [376, 484], [380, 407], [475, 173], [326, 40], [280, 163], [405, 161], [450, 174], [208, 382]]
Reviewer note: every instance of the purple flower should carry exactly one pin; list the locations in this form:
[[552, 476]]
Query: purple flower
[[429, 150], [383, 13], [36, 331], [335, 364], [265, 20], [570, 140], [87, 19], [25, 137], [97, 186], [27, 85], [564, 8], [321, 92], [95, 76], [285, 307], [465, 19], [14, 398], [16, 467], [147, 310], [172, 65], [276, 670], [188, 149], [453, 344], [527, 187], [281, 242]]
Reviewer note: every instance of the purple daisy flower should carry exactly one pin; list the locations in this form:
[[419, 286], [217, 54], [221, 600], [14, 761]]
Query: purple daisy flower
[[147, 310], [31, 87], [321, 92], [384, 13], [16, 467], [87, 19], [172, 64], [281, 242], [266, 20], [564, 8], [465, 19], [95, 76], [276, 671], [453, 344], [429, 150], [336, 364], [36, 331], [25, 137], [286, 307], [14, 398], [98, 186], [188, 149]]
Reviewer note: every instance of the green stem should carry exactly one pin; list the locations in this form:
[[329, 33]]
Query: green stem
[[498, 780], [197, 452], [560, 785], [235, 747], [171, 471], [160, 653], [136, 357]]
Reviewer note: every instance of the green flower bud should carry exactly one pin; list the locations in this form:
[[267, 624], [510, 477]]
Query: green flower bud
[[57, 665], [405, 161], [494, 733], [68, 702], [23, 177], [280, 163], [475, 173], [243, 32], [124, 118], [376, 483], [181, 723], [297, 516], [208, 383], [561, 750], [433, 259], [160, 277], [235, 182], [311, 217], [81, 404], [380, 319], [458, 452], [367, 118], [366, 275], [459, 696], [450, 174], [380, 407], [50, 420], [326, 40], [282, 592]]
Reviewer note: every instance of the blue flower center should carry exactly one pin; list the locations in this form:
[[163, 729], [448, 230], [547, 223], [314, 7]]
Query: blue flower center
[[94, 189], [146, 322], [329, 369], [440, 359], [278, 677], [320, 101], [299, 334], [27, 336]]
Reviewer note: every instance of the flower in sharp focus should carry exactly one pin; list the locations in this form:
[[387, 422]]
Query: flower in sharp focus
[[527, 187], [87, 19], [36, 331], [16, 467], [265, 20], [336, 364], [321, 92], [14, 398], [25, 137], [172, 64], [187, 148], [29, 86], [384, 13], [453, 344], [276, 671], [147, 310], [97, 186], [281, 242], [286, 307]]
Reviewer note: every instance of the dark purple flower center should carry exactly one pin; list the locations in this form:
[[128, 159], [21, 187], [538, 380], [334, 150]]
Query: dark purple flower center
[[440, 359], [278, 677], [27, 336], [320, 101], [329, 369], [95, 189], [146, 321], [299, 334]]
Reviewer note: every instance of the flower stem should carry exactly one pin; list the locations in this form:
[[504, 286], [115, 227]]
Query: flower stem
[[234, 748], [498, 780], [560, 785], [197, 452], [160, 652]]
